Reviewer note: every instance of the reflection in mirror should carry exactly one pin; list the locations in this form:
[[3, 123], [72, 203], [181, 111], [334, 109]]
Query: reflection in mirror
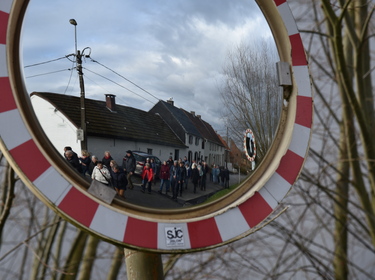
[[173, 80], [251, 93]]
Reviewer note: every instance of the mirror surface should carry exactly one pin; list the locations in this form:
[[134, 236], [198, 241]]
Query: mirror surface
[[142, 63]]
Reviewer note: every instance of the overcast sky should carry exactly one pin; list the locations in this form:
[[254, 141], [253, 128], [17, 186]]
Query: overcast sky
[[168, 48]]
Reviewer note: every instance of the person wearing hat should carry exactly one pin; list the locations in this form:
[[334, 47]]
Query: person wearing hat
[[129, 164]]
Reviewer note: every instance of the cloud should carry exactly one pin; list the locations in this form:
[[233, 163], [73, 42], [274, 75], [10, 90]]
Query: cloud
[[169, 48]]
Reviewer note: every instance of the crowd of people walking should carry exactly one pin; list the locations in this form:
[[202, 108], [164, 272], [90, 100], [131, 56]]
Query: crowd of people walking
[[174, 175]]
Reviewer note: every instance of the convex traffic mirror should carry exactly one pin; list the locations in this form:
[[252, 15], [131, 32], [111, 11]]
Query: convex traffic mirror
[[227, 218]]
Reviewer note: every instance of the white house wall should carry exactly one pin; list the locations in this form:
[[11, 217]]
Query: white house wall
[[215, 154], [97, 146], [60, 131]]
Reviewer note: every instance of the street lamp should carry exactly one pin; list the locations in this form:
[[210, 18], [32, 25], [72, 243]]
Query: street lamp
[[81, 133], [73, 22]]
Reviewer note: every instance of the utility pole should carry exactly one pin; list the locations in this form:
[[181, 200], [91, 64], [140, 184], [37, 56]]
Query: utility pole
[[83, 107], [82, 132]]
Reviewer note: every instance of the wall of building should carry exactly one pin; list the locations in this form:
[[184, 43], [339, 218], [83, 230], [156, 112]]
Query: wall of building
[[212, 153], [117, 147], [60, 131], [215, 154], [195, 148]]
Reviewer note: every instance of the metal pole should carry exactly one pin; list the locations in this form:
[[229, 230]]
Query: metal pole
[[75, 35], [142, 265]]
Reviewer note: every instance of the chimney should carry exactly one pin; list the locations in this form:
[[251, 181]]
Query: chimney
[[110, 100], [199, 116], [193, 113], [170, 101]]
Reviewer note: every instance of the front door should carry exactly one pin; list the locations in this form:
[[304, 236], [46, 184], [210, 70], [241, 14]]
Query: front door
[[176, 154]]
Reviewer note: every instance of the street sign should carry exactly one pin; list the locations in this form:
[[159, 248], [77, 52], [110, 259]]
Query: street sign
[[230, 218], [80, 134], [249, 145]]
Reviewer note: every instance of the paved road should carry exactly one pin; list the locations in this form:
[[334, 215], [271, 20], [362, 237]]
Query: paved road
[[163, 201]]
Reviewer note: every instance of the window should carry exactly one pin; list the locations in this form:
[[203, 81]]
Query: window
[[203, 141], [149, 151], [196, 141], [190, 139], [190, 156]]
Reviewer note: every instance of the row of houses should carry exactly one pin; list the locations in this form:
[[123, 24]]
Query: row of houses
[[164, 131]]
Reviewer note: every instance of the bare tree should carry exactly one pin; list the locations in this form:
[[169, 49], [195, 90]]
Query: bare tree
[[251, 93], [7, 192]]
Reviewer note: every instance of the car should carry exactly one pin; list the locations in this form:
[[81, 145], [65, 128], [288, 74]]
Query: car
[[140, 159]]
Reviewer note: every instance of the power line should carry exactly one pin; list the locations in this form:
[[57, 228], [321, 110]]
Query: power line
[[117, 97], [43, 74], [87, 77], [93, 60], [45, 62], [120, 85], [70, 78]]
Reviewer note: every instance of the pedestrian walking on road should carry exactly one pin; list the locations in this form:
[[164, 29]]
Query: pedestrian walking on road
[[215, 174], [72, 158], [129, 164], [107, 159], [101, 174], [173, 179], [180, 178], [147, 176], [94, 161], [85, 160], [170, 162], [204, 176], [155, 169], [119, 181], [188, 175], [164, 177], [194, 176], [226, 176]]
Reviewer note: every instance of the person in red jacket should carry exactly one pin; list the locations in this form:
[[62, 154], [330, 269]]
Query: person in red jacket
[[147, 176]]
